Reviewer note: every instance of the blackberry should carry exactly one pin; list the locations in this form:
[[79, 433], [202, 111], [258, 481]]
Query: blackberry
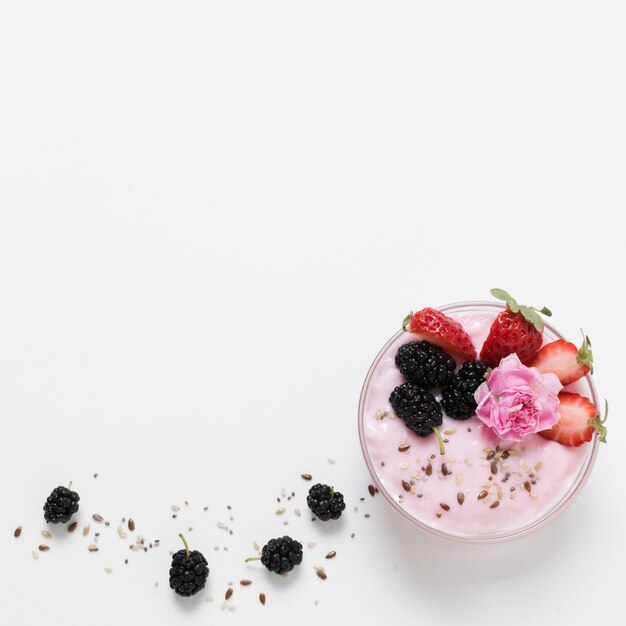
[[425, 364], [325, 502], [60, 505], [280, 555], [188, 572], [417, 407], [458, 399]]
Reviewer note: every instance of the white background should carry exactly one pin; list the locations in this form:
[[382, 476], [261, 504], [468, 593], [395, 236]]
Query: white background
[[213, 214]]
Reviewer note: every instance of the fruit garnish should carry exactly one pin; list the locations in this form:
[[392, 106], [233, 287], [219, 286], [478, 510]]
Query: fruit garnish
[[441, 330], [578, 420], [565, 360], [60, 505], [458, 398], [189, 571], [518, 329], [419, 409], [425, 364], [280, 555], [325, 502]]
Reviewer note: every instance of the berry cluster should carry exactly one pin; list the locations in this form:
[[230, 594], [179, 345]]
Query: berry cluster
[[426, 366]]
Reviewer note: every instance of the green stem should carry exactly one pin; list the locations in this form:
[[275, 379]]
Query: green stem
[[332, 492], [185, 542], [442, 449], [253, 558], [70, 485]]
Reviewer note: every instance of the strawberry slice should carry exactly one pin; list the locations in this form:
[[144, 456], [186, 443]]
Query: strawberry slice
[[441, 330], [578, 420], [565, 360]]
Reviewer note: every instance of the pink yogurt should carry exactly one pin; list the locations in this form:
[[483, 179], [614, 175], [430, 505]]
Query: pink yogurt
[[442, 492]]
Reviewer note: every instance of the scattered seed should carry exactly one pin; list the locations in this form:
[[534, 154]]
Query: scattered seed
[[429, 469], [444, 469], [256, 546], [444, 506], [262, 598], [438, 513], [449, 431], [210, 598], [280, 511], [92, 547], [44, 548], [311, 544], [72, 527], [131, 524], [460, 497], [17, 532], [121, 532], [305, 477], [108, 570], [372, 490], [494, 505], [297, 512], [494, 467], [527, 486], [406, 486], [229, 592], [46, 534], [86, 530], [35, 555], [483, 494], [96, 517], [331, 555], [222, 526], [353, 535], [245, 582], [404, 447], [331, 461]]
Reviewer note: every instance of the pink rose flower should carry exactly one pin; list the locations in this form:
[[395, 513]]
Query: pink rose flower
[[517, 400]]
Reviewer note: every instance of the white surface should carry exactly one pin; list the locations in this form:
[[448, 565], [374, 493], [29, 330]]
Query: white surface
[[213, 214]]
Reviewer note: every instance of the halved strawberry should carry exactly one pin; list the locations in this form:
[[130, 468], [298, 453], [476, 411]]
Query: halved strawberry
[[443, 331], [565, 360], [578, 420], [518, 329]]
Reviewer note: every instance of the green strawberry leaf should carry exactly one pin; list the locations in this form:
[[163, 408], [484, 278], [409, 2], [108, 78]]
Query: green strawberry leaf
[[585, 355], [407, 320], [598, 423], [512, 306], [546, 311], [500, 294], [527, 313]]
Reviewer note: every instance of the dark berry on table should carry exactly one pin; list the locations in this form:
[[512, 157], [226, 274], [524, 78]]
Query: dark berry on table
[[325, 502], [458, 398], [417, 407], [280, 555], [61, 504], [425, 364], [188, 572]]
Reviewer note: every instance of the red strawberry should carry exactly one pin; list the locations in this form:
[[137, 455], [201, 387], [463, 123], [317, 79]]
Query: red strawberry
[[443, 331], [565, 360], [517, 329], [578, 420]]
